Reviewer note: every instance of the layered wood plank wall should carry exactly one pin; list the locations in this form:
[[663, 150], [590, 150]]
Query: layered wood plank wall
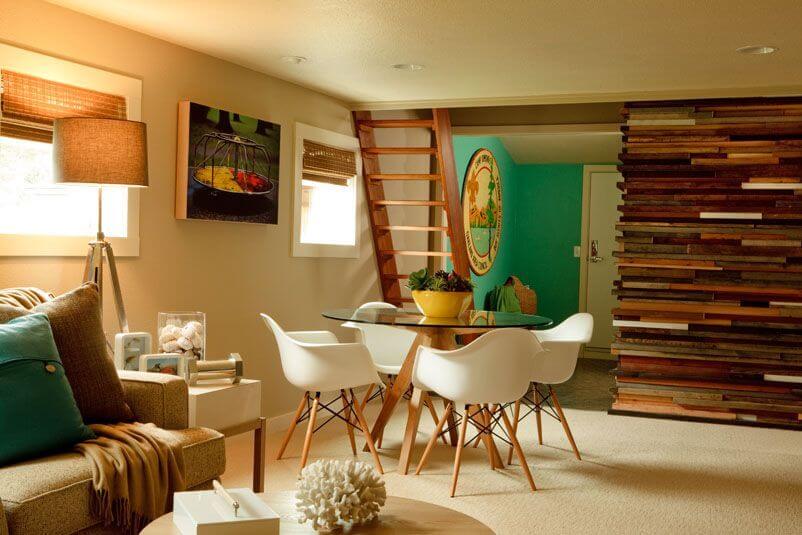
[[709, 322]]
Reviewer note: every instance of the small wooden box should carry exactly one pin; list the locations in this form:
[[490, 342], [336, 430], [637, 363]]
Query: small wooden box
[[205, 513], [225, 405]]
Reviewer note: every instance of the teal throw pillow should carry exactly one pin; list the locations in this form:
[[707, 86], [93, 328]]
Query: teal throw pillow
[[38, 414]]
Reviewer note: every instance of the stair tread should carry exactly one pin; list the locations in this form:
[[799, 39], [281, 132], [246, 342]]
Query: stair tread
[[444, 196], [413, 228], [403, 176], [398, 123], [399, 150], [402, 252], [411, 202]]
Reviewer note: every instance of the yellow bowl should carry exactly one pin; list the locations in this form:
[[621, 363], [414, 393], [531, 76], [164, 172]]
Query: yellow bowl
[[442, 304]]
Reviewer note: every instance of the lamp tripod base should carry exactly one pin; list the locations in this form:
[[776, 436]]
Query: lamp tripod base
[[93, 272]]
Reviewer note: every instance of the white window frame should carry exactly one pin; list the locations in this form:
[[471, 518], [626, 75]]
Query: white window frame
[[68, 72], [340, 141]]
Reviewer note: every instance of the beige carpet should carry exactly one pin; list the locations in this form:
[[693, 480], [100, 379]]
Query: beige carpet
[[638, 476]]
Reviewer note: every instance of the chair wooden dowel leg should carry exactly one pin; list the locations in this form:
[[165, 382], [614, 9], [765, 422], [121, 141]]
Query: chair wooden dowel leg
[[486, 437], [476, 441], [437, 430], [538, 401], [410, 431], [517, 447], [479, 421], [515, 415], [458, 455], [433, 412], [563, 421], [368, 392], [366, 430], [380, 438], [452, 424], [293, 423], [309, 430], [491, 410], [347, 416]]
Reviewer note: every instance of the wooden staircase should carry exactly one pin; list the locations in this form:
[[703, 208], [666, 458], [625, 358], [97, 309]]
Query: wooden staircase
[[442, 172]]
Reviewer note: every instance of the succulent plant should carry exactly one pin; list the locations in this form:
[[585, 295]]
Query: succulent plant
[[441, 281]]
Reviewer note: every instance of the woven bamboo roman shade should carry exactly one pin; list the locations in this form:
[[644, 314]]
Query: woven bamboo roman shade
[[28, 105], [331, 165]]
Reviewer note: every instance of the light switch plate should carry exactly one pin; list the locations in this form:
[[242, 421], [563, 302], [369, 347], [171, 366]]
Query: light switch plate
[[577, 251]]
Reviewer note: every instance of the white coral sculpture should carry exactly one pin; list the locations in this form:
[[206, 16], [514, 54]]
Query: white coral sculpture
[[330, 492]]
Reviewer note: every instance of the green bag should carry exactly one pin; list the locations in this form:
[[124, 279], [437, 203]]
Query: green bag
[[502, 299], [38, 414]]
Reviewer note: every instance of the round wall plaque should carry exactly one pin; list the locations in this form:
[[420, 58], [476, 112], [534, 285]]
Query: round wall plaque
[[481, 210]]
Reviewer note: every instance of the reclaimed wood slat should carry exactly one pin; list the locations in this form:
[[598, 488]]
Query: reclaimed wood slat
[[710, 260]]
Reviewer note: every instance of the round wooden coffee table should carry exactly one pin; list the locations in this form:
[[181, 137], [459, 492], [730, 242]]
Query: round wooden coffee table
[[399, 515]]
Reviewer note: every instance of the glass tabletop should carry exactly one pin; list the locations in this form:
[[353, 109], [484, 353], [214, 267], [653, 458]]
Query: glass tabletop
[[473, 319]]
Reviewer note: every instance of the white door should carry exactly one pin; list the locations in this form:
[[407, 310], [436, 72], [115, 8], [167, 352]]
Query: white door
[[603, 216]]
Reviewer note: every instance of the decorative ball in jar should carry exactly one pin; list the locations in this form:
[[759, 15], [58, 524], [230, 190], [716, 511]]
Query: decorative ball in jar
[[184, 333]]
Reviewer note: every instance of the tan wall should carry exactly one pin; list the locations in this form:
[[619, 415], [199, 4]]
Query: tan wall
[[231, 271]]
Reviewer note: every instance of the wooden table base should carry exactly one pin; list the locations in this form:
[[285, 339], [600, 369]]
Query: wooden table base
[[437, 338]]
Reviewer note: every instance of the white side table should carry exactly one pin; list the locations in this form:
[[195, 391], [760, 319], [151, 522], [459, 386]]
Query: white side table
[[233, 409]]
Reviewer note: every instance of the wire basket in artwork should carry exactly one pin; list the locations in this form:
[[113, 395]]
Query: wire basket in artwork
[[231, 164]]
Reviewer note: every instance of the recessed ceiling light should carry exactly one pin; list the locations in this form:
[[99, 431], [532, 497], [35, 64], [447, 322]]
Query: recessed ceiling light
[[408, 66], [295, 60], [757, 49]]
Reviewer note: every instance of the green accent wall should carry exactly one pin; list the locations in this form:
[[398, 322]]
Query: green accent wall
[[548, 224], [464, 148], [541, 224]]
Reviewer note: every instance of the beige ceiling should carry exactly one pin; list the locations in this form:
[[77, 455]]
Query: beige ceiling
[[482, 52], [563, 148]]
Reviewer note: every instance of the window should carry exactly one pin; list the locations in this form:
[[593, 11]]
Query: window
[[327, 167], [37, 217]]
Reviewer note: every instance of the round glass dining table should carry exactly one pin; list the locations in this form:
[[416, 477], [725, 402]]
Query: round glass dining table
[[469, 321], [438, 333]]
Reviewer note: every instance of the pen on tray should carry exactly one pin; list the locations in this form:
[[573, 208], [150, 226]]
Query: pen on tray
[[223, 493]]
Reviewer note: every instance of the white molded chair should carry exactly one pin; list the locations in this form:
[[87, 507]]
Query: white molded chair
[[555, 364], [481, 377], [388, 347], [315, 362]]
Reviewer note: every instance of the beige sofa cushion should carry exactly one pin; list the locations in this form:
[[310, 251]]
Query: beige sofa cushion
[[51, 495], [78, 330]]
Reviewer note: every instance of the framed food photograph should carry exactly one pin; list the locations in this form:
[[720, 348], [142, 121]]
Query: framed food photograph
[[169, 363], [227, 166]]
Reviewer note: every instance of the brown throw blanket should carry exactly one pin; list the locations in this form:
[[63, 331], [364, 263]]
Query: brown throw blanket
[[134, 473]]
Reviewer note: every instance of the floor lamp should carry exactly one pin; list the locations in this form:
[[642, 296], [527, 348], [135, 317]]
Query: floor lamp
[[101, 152]]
